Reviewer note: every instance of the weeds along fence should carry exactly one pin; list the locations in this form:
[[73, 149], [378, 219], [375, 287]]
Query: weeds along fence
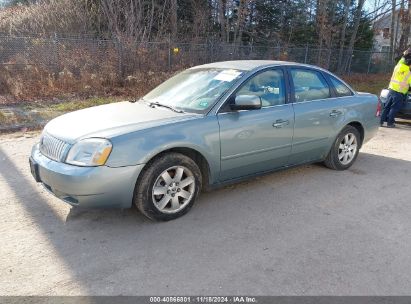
[[47, 66]]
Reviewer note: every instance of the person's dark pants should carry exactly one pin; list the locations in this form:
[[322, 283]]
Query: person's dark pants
[[393, 104]]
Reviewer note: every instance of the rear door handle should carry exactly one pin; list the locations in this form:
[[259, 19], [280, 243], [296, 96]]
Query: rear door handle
[[335, 113], [279, 123]]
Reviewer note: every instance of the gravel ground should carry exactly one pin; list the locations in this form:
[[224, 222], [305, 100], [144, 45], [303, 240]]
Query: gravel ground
[[304, 231]]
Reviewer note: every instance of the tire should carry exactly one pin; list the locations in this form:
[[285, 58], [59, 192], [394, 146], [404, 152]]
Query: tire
[[168, 188], [336, 158]]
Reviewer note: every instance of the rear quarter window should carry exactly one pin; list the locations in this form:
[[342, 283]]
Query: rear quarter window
[[341, 89]]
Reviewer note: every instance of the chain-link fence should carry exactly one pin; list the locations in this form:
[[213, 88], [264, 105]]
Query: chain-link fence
[[121, 59]]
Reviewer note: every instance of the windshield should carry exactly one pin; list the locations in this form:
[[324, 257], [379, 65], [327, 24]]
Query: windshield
[[194, 90]]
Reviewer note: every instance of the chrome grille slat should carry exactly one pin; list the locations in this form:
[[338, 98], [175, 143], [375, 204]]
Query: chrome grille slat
[[58, 148], [47, 145], [52, 147], [55, 144]]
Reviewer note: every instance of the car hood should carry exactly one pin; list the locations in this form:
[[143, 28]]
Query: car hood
[[111, 120]]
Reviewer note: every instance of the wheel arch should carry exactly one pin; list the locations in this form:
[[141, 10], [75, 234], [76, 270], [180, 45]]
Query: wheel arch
[[330, 161], [357, 125], [195, 155], [360, 129]]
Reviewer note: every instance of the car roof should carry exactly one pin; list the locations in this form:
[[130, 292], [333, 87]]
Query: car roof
[[249, 65]]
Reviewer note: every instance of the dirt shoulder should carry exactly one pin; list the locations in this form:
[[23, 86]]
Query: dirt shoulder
[[32, 116]]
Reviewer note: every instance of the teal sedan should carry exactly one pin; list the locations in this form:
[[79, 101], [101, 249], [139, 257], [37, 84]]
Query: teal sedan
[[207, 126]]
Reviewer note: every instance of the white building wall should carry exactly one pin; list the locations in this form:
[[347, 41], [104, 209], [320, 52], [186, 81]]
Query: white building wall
[[381, 43]]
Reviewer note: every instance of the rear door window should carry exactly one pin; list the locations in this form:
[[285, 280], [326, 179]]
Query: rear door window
[[309, 85]]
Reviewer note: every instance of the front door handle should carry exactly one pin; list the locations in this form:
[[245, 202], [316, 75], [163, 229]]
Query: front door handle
[[279, 123], [335, 113]]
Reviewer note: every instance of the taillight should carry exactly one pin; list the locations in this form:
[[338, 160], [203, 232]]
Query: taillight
[[378, 112]]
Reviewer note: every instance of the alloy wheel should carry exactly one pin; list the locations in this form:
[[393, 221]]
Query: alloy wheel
[[173, 189], [347, 149]]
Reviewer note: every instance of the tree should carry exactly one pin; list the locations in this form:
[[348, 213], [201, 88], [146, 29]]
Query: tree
[[357, 19], [173, 19], [406, 24], [222, 19], [326, 24], [393, 11], [397, 26], [342, 35], [321, 25]]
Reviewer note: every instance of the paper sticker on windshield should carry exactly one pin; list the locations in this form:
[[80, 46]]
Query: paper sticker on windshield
[[227, 75], [204, 104]]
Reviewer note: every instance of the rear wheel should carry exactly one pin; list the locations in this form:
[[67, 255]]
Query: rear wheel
[[344, 150], [168, 188]]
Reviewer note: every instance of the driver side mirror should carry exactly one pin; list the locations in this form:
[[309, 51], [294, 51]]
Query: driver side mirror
[[246, 102]]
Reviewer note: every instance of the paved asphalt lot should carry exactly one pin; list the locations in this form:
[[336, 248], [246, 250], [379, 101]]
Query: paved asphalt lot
[[305, 231]]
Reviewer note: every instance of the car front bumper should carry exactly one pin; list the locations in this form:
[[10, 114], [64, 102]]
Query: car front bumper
[[86, 186]]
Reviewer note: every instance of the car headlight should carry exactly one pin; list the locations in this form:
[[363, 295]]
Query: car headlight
[[89, 152]]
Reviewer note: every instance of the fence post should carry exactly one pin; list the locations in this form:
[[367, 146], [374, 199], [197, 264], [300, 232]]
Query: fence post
[[328, 59], [306, 53], [56, 54], [349, 62], [120, 59], [369, 62], [169, 52]]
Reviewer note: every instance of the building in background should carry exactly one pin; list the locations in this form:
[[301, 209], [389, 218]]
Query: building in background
[[383, 31]]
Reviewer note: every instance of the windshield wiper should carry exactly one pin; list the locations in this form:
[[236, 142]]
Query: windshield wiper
[[152, 104]]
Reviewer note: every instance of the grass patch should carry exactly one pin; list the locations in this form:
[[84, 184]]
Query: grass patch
[[82, 104], [3, 118], [372, 83], [39, 114]]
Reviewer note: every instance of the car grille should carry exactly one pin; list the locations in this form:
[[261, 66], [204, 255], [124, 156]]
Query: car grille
[[52, 147]]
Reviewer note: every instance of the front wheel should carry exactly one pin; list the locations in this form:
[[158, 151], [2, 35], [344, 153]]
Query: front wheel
[[344, 150], [168, 188]]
